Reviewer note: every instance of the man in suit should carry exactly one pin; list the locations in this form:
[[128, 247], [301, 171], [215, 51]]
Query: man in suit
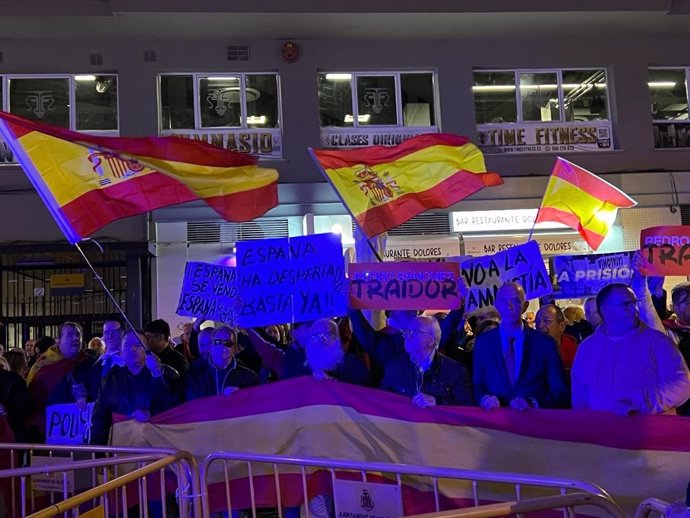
[[514, 365]]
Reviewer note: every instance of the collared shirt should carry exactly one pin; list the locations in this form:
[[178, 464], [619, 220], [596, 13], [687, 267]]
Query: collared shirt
[[519, 337]]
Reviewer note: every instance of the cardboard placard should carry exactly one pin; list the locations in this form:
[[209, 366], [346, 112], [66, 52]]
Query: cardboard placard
[[666, 250], [580, 276], [67, 424], [404, 285], [291, 280], [522, 264], [209, 291]]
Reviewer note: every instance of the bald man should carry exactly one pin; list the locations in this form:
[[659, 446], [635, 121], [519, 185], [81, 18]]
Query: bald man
[[514, 365]]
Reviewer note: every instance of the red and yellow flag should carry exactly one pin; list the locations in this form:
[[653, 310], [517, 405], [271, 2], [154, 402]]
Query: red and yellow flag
[[88, 181], [583, 201], [383, 187]]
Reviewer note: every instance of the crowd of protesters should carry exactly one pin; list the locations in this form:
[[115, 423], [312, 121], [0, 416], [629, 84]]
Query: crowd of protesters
[[626, 352]]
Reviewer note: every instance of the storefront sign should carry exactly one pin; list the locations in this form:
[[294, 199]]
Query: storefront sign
[[552, 244], [209, 291], [420, 248], [265, 143], [67, 424], [498, 220], [291, 279], [404, 285], [522, 263], [363, 136], [666, 250], [66, 284], [545, 137], [354, 499], [580, 276]]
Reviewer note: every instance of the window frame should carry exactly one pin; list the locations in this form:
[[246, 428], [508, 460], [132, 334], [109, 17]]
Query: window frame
[[686, 70], [559, 85], [6, 78], [398, 99]]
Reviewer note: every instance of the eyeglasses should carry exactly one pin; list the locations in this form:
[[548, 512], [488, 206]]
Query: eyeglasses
[[409, 333], [628, 304], [112, 332], [227, 343]]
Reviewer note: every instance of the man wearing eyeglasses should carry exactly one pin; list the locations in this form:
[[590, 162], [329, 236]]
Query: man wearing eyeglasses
[[424, 374], [157, 335], [222, 374], [515, 365], [625, 366]]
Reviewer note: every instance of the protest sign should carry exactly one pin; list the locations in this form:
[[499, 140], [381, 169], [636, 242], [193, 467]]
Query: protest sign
[[666, 250], [291, 280], [522, 264], [404, 285], [209, 291], [67, 424], [580, 276]]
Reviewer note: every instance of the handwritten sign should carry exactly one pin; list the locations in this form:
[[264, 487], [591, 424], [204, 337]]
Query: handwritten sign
[[291, 280], [579, 276], [666, 250], [522, 264], [404, 285], [66, 424], [209, 291]]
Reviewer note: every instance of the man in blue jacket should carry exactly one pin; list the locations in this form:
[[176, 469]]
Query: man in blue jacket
[[514, 365]]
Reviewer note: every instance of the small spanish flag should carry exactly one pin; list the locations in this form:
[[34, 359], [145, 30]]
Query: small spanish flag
[[582, 201], [88, 181], [383, 187]]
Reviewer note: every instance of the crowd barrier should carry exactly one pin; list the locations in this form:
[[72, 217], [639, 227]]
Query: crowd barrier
[[36, 475], [653, 507], [234, 485]]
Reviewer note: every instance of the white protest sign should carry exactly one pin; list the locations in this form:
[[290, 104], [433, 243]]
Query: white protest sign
[[52, 481], [522, 264], [366, 500], [291, 280], [66, 424], [209, 291]]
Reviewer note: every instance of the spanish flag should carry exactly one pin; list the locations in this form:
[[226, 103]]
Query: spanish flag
[[383, 187], [582, 201], [88, 181]]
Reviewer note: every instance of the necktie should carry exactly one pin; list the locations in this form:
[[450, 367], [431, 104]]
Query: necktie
[[509, 357]]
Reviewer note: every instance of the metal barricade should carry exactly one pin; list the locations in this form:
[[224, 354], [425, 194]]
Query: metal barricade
[[569, 501], [37, 475], [269, 467], [100, 494], [652, 507]]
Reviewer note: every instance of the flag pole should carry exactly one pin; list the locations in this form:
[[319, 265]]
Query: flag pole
[[347, 208], [105, 288]]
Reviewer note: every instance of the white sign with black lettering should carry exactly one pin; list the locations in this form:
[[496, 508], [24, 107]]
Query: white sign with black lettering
[[366, 500], [498, 220], [52, 481], [554, 244], [411, 248]]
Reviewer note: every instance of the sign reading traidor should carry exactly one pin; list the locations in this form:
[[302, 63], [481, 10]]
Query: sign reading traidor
[[579, 276], [666, 250], [403, 285], [523, 264]]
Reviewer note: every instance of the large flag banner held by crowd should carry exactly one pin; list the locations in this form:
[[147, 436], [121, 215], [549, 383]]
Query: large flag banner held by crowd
[[88, 181], [522, 263], [583, 201], [383, 187]]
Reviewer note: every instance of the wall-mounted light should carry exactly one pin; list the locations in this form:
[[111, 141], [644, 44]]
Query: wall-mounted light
[[85, 77], [338, 77], [360, 118], [253, 119]]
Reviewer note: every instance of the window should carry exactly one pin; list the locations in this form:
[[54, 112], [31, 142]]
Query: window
[[542, 110], [77, 102], [236, 111], [506, 96], [379, 99], [669, 101]]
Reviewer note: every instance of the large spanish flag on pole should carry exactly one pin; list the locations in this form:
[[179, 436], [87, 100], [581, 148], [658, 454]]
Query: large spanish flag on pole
[[583, 201], [383, 187], [88, 181]]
